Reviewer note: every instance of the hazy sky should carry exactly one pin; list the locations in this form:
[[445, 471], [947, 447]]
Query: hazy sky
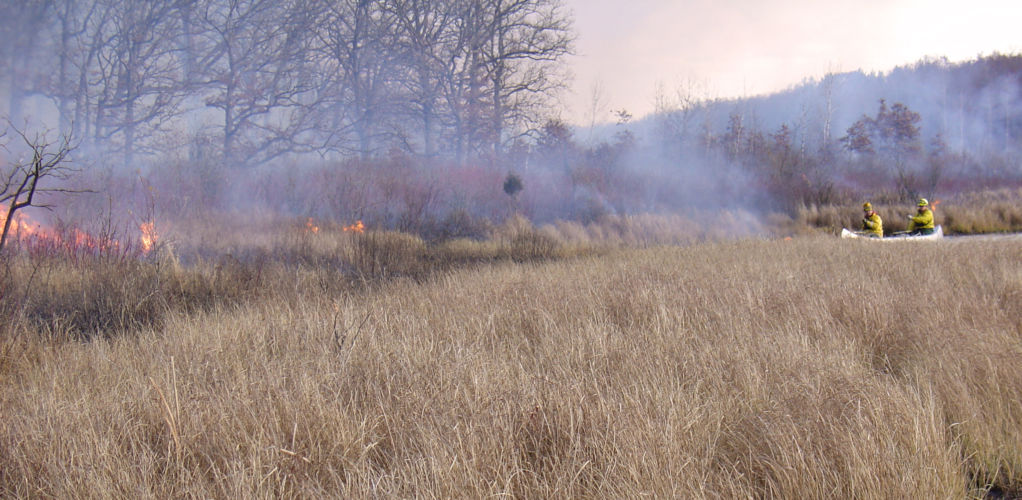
[[731, 48]]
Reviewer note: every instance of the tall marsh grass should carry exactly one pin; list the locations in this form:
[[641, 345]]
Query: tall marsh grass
[[810, 368], [985, 212]]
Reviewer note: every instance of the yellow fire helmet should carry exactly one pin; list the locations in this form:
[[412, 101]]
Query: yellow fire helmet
[[922, 202], [867, 206]]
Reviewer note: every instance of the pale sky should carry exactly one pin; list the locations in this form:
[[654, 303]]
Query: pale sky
[[626, 49]]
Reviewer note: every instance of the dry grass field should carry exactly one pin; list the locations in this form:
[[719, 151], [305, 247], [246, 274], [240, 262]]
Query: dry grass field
[[528, 368]]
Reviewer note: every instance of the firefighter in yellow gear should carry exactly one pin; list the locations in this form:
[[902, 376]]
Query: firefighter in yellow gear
[[922, 221], [872, 224]]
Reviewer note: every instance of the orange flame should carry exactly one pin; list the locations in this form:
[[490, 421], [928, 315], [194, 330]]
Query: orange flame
[[22, 228], [310, 227], [933, 206], [149, 236], [37, 237], [357, 227]]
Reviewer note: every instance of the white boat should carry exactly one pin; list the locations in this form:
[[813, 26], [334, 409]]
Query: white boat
[[938, 233]]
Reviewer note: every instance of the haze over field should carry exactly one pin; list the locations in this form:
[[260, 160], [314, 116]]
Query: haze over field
[[743, 48], [411, 115]]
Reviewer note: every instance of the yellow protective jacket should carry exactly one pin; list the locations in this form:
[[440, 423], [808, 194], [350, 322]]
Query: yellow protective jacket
[[873, 225], [922, 220]]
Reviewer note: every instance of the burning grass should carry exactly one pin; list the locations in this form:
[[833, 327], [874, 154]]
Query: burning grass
[[66, 287], [811, 368], [72, 240]]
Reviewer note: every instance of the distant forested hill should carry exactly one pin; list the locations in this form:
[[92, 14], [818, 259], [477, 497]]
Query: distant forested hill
[[922, 129]]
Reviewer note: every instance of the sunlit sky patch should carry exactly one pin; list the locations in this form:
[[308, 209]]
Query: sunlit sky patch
[[628, 49]]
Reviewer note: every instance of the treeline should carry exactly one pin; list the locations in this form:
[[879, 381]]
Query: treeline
[[930, 128], [248, 81], [886, 137], [412, 114], [933, 128]]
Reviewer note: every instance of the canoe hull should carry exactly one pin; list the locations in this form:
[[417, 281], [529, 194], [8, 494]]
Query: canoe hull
[[938, 233]]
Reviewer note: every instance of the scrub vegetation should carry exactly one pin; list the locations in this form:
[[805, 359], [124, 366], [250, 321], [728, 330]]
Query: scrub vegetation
[[551, 362]]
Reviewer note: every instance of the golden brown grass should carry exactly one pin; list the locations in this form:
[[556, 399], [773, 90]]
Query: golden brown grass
[[812, 368], [986, 212]]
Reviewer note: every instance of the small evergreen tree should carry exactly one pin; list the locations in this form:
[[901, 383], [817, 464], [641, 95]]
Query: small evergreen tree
[[512, 185]]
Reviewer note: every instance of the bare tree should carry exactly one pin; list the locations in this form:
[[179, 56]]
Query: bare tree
[[428, 35], [273, 77], [893, 139], [360, 50], [80, 28], [117, 77], [497, 68], [598, 107], [139, 69], [251, 61], [525, 41], [20, 182], [677, 118], [68, 20], [23, 28], [461, 77]]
